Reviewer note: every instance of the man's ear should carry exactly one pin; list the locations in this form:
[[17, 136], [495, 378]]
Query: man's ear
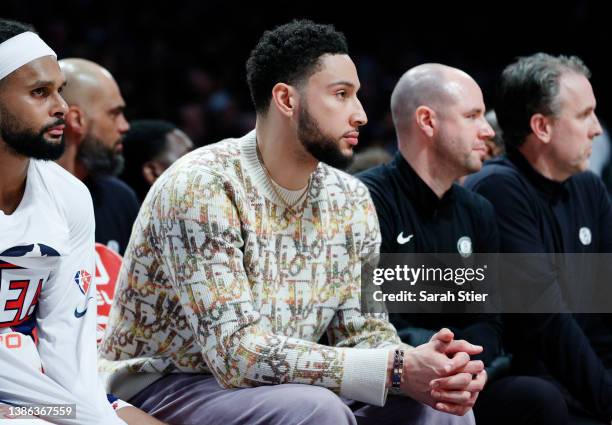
[[75, 120], [285, 98], [541, 126], [426, 120]]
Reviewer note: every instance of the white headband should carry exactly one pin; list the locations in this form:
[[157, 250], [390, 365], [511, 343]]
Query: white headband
[[21, 49]]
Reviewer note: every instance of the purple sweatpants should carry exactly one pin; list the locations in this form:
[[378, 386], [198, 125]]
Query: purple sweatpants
[[191, 399]]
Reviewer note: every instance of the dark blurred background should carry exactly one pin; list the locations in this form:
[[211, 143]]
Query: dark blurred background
[[184, 60]]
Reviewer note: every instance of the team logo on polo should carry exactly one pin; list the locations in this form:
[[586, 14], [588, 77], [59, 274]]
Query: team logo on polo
[[585, 235], [464, 246]]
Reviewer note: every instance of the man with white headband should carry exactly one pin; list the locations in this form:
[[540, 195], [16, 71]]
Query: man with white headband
[[46, 247]]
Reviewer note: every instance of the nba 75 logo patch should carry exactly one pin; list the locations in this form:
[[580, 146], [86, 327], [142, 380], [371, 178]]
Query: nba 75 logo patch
[[83, 279]]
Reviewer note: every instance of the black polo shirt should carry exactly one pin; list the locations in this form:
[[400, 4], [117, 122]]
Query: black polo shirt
[[414, 220], [538, 215]]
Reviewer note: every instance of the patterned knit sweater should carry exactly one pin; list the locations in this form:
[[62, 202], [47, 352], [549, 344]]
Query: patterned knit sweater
[[220, 278]]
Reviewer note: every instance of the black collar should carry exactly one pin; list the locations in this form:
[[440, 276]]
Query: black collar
[[425, 199], [549, 188]]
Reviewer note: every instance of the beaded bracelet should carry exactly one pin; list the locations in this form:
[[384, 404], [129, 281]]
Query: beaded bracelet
[[398, 368]]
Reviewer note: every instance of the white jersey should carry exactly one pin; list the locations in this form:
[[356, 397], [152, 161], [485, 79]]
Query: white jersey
[[46, 269]]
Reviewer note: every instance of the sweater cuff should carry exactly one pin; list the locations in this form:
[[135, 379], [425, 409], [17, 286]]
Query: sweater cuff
[[365, 375]]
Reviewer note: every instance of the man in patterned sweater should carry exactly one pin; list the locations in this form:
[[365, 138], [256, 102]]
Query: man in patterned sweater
[[247, 251]]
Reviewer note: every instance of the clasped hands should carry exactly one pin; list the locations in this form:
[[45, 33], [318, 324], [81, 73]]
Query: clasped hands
[[440, 373]]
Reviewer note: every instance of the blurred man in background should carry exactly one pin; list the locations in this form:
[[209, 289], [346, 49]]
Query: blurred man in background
[[95, 127], [149, 148]]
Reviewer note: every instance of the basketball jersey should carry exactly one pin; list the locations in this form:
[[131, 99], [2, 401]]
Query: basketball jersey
[[46, 283]]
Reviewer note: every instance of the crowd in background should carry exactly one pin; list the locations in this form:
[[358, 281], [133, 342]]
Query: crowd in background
[[181, 73], [185, 61]]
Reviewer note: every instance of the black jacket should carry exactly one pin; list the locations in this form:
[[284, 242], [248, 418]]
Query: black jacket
[[538, 215]]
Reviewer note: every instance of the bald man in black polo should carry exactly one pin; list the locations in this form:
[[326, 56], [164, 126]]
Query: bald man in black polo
[[438, 112]]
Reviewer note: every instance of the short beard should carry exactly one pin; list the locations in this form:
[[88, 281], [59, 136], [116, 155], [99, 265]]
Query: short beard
[[461, 163], [98, 159], [27, 142], [321, 146]]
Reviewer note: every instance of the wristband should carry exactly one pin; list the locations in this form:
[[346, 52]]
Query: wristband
[[398, 368]]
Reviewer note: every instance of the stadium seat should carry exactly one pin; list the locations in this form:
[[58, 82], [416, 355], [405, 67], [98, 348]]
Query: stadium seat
[[108, 263]]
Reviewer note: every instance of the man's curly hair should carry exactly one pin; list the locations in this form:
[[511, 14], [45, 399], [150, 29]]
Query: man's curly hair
[[289, 54]]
